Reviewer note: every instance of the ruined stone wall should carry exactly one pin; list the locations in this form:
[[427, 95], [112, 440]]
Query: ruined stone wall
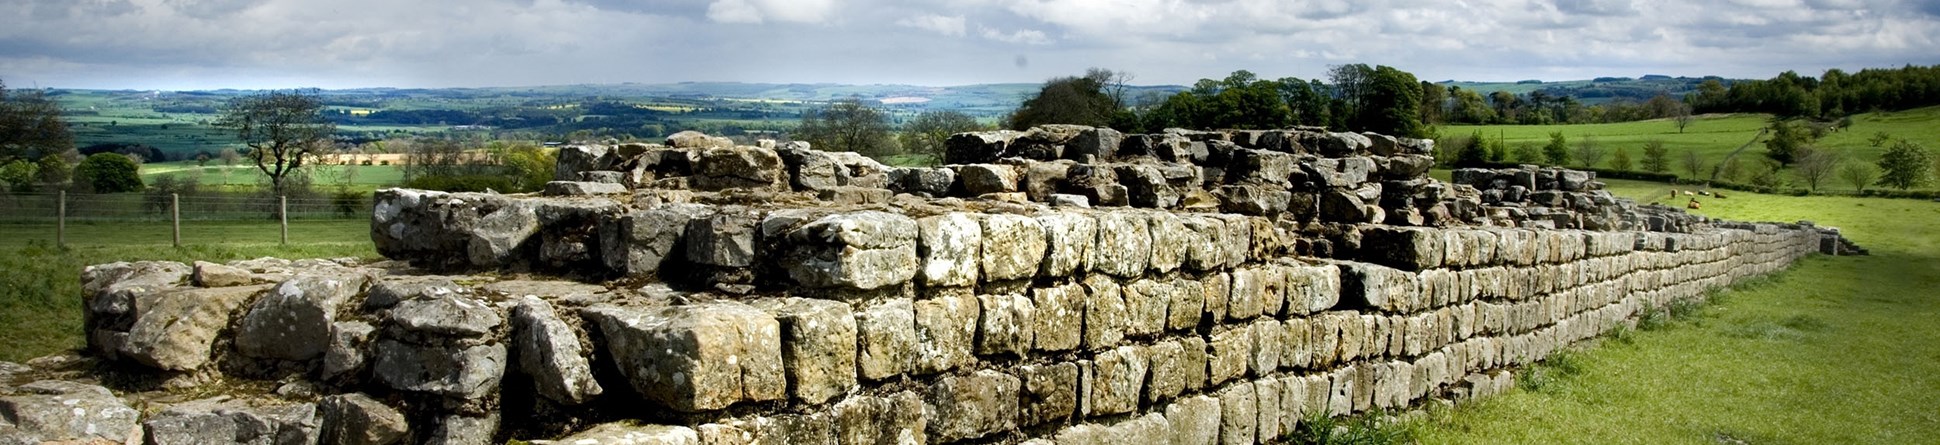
[[728, 295]]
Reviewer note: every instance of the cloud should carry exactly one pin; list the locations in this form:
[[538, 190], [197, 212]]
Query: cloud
[[1021, 36], [945, 25], [758, 11]]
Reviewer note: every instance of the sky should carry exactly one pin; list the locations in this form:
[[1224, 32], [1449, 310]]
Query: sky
[[253, 44]]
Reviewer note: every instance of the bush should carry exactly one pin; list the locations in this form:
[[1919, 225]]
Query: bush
[[109, 173]]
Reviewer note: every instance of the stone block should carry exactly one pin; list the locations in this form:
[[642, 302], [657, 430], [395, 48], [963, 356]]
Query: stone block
[[292, 321], [946, 330], [348, 351], [1049, 393], [1006, 324], [1238, 415], [1231, 349], [971, 406], [886, 340], [1013, 247], [1192, 352], [640, 243], [724, 239], [1203, 242], [630, 433], [694, 358], [1248, 296], [1124, 244], [358, 419], [1408, 248], [862, 250], [723, 168], [1266, 392], [1146, 301], [950, 247], [551, 354], [1170, 239], [1193, 420], [979, 179], [1058, 322], [1312, 288], [454, 371], [1264, 355], [818, 346], [53, 411], [1168, 371], [1114, 380], [1379, 287], [1105, 317], [889, 420], [176, 330], [1068, 238], [446, 316], [1217, 288]]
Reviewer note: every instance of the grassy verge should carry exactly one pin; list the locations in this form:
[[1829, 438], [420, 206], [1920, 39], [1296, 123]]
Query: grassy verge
[[40, 289], [1836, 350]]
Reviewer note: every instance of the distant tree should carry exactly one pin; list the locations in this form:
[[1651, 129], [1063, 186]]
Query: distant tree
[[1786, 139], [55, 170], [1588, 152], [1433, 98], [280, 129], [202, 159], [1526, 153], [531, 164], [108, 173], [1906, 165], [1498, 150], [1879, 139], [1765, 174], [1621, 160], [1682, 116], [1391, 104], [1732, 170], [18, 175], [1656, 157], [1858, 175], [1471, 151], [31, 126], [1469, 107], [1694, 164], [1814, 165], [1558, 150], [1069, 100], [848, 125], [926, 133]]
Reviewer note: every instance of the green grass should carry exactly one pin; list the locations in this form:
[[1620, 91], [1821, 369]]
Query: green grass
[[1836, 350], [1715, 136], [244, 176], [40, 289]]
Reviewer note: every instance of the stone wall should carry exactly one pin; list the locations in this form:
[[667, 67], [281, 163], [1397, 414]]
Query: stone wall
[[1065, 285]]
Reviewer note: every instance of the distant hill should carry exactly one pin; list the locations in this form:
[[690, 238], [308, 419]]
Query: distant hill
[[1595, 91]]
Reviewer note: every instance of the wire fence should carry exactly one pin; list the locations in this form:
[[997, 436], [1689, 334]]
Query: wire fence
[[47, 207]]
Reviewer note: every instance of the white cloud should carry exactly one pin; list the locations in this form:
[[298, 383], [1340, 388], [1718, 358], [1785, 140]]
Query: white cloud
[[758, 11], [1021, 36], [945, 25]]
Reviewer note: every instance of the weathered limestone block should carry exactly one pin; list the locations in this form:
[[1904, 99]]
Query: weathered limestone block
[[1254, 199], [1058, 322], [1379, 287], [1293, 403], [1170, 239], [933, 182], [1408, 248], [582, 188], [1238, 415], [1146, 301], [1231, 350], [971, 406], [1312, 288], [1168, 374], [348, 351], [1193, 420], [1114, 381], [629, 433], [580, 158], [386, 292], [1217, 288], [175, 330], [862, 250], [447, 316], [642, 242], [1105, 316], [818, 346], [358, 419], [458, 372], [1186, 303], [1266, 392], [1068, 238], [1203, 243], [1248, 295], [693, 358], [1124, 244], [814, 428], [886, 339], [980, 179], [946, 330], [502, 236], [209, 274], [224, 420], [722, 168], [1192, 350], [569, 231], [1049, 393], [950, 246], [54, 411], [1013, 247], [1295, 352], [1006, 324], [458, 429], [292, 321], [1268, 339], [550, 353], [724, 239], [891, 420]]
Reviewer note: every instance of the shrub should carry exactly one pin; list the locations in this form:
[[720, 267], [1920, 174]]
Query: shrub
[[109, 173]]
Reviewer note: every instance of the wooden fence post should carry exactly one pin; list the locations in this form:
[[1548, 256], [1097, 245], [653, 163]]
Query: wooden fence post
[[175, 211], [283, 213], [60, 226]]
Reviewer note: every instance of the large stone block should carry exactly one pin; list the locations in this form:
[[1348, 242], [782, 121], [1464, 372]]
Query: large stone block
[[176, 330], [53, 411], [980, 179], [1312, 288], [446, 316], [1013, 247], [1114, 381], [862, 250], [1105, 316], [1407, 248], [1124, 244], [292, 321], [1058, 322], [1231, 350], [630, 433], [1266, 392], [951, 247], [1168, 371], [971, 406], [1146, 301], [886, 339], [694, 358], [1379, 287], [818, 346], [642, 242], [1170, 239], [896, 419], [1050, 393], [946, 330], [723, 168], [348, 351], [724, 239], [1238, 415], [1068, 238], [550, 353], [358, 419], [459, 372], [224, 420], [1248, 297], [1193, 420], [1006, 324], [1264, 355]]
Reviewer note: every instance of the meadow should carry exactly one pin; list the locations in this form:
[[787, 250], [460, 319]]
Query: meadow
[[1835, 350]]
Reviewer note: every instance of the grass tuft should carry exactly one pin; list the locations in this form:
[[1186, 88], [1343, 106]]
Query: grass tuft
[[1372, 428]]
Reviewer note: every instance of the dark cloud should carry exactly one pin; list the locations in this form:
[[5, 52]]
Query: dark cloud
[[1608, 8]]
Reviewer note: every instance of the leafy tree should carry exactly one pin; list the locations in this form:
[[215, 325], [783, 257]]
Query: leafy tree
[[1858, 175], [1069, 100], [1732, 170], [1558, 150], [1588, 153], [1526, 153], [31, 126], [109, 173], [1391, 104], [1432, 99], [926, 133], [1784, 144], [1814, 165], [1310, 102], [1473, 152], [1694, 164], [19, 175], [848, 125], [55, 170], [280, 129], [1468, 106], [531, 164], [1879, 139], [1906, 165], [1621, 160], [1656, 157], [1765, 174]]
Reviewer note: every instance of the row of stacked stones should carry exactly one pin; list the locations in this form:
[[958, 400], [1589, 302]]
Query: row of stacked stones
[[732, 294]]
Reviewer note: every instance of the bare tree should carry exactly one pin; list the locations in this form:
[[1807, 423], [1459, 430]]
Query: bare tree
[[280, 129], [1858, 175], [1682, 116], [1588, 152], [848, 125], [1814, 164], [1693, 164]]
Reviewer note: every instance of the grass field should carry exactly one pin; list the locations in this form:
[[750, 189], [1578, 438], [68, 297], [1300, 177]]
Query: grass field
[[243, 176], [1836, 350], [1715, 136], [40, 289]]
